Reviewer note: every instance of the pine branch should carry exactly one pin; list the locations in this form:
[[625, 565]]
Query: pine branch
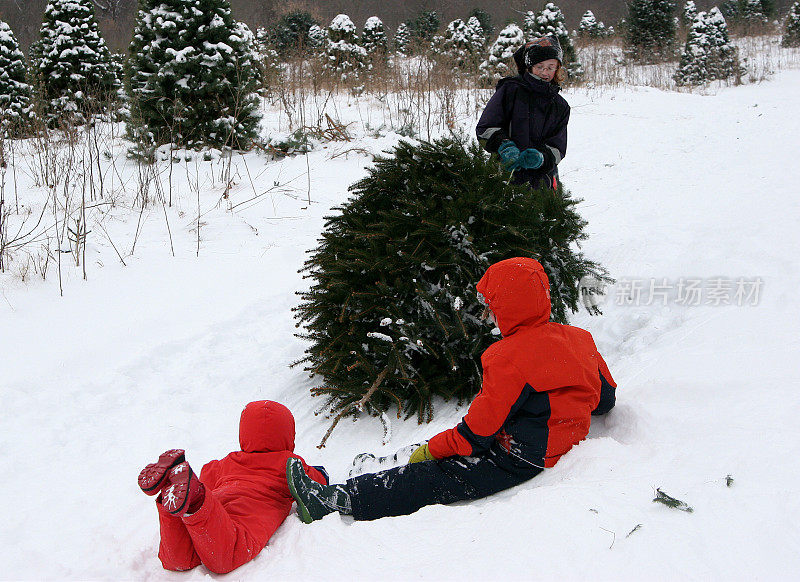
[[634, 530], [669, 501], [357, 405]]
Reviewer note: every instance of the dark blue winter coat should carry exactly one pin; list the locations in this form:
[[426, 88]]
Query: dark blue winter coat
[[532, 114]]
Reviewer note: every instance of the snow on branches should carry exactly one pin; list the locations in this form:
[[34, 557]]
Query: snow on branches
[[193, 75], [498, 63], [71, 64], [708, 54], [15, 93]]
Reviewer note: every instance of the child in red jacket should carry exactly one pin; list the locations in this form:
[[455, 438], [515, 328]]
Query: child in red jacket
[[542, 382], [225, 518]]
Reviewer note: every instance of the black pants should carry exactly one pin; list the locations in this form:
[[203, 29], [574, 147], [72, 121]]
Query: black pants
[[405, 489]]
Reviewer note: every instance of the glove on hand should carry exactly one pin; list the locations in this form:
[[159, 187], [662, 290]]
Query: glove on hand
[[421, 454], [509, 154], [530, 159]]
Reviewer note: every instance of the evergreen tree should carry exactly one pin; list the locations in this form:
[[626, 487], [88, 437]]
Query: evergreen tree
[[587, 25], [71, 64], [590, 27], [425, 26], [550, 22], [15, 93], [290, 34], [751, 16], [650, 30], [769, 8], [268, 58], [402, 39], [456, 45], [317, 37], [393, 303], [193, 75], [689, 13], [485, 20], [344, 56], [708, 54], [500, 60], [791, 31], [476, 37], [730, 10], [374, 40]]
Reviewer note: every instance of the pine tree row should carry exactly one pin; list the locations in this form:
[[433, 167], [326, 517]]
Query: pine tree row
[[192, 77], [194, 72]]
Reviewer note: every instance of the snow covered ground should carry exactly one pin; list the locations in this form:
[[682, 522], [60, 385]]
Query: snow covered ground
[[690, 199]]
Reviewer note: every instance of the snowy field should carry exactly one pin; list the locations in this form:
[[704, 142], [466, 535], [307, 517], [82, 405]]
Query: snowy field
[[692, 206]]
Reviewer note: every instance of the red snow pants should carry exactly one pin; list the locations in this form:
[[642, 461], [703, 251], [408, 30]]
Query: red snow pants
[[210, 536]]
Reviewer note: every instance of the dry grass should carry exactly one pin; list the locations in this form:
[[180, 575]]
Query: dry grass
[[419, 97]]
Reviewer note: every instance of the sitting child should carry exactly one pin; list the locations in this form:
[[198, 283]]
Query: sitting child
[[225, 518]]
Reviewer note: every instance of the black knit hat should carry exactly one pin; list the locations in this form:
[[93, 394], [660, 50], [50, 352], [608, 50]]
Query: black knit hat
[[542, 49]]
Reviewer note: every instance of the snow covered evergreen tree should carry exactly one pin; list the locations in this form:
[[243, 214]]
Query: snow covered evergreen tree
[[500, 60], [374, 40], [344, 56], [456, 45], [317, 37], [590, 27], [689, 13], [476, 37], [484, 19], [402, 39], [393, 305], [650, 30], [708, 54], [71, 64], [587, 25], [16, 110], [268, 58], [751, 16], [791, 30], [289, 35], [193, 75], [426, 25], [550, 22]]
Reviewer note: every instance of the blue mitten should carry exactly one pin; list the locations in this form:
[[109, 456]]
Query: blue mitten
[[509, 154], [530, 159]]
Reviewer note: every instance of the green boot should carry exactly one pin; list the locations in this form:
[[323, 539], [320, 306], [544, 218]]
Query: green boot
[[315, 501]]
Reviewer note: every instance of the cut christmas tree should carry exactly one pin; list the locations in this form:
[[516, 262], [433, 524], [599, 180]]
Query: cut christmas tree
[[393, 316]]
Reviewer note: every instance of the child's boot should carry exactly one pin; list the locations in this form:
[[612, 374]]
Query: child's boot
[[184, 492], [315, 501], [153, 477]]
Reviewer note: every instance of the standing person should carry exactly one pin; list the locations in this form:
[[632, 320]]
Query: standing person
[[541, 383], [525, 121], [225, 518]]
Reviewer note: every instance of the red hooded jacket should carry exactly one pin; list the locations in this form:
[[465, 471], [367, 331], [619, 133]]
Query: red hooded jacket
[[247, 496], [541, 382]]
